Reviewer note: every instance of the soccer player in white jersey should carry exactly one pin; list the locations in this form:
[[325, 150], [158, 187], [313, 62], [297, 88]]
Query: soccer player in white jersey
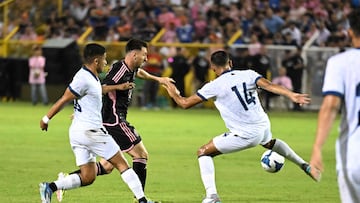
[[341, 90], [237, 100], [88, 137]]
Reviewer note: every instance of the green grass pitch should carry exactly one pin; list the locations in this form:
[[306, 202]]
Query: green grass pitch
[[29, 156]]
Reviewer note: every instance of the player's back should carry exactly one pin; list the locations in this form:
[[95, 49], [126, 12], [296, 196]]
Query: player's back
[[343, 78], [236, 98]]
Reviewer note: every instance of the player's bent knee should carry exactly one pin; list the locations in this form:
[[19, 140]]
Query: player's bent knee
[[109, 168], [201, 151], [87, 180], [142, 155], [270, 144]]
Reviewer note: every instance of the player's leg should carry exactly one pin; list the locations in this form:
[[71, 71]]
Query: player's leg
[[286, 151], [207, 170], [129, 176], [86, 161], [222, 144], [103, 167], [69, 182], [139, 156], [109, 150], [130, 142]]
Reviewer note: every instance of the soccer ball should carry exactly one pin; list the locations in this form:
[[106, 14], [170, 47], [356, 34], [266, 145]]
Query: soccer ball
[[271, 161]]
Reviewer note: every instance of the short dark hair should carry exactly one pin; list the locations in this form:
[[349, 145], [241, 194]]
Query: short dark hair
[[135, 44], [354, 21], [220, 58], [93, 50]]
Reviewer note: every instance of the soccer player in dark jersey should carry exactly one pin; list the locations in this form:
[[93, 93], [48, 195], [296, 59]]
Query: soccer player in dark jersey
[[116, 103]]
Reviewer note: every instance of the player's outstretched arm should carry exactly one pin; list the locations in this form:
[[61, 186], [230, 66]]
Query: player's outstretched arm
[[183, 102], [59, 104], [141, 73], [277, 89], [327, 114]]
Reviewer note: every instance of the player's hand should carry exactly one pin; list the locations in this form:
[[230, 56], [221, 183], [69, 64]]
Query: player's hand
[[300, 98], [125, 86], [171, 89], [166, 80], [43, 126], [316, 159]]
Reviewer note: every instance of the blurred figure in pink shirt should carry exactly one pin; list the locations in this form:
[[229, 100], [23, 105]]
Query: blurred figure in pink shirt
[[283, 80], [37, 76]]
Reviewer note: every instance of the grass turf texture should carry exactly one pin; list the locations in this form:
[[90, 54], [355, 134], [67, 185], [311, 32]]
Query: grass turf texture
[[29, 156]]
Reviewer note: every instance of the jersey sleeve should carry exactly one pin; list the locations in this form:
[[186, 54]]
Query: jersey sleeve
[[333, 80], [113, 75], [208, 91], [78, 86]]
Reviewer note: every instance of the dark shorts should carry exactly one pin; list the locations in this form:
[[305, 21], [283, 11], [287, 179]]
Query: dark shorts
[[124, 135]]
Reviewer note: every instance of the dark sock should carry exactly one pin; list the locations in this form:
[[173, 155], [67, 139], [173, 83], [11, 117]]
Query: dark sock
[[100, 170], [139, 166], [53, 186], [75, 172], [143, 200]]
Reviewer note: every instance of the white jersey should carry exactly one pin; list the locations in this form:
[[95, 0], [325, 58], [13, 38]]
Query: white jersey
[[342, 78], [236, 99], [87, 107]]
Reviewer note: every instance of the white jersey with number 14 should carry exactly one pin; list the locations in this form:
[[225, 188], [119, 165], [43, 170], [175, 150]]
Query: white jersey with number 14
[[236, 98]]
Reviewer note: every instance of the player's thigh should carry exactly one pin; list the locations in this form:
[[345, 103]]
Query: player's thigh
[[87, 144], [88, 173], [138, 151], [231, 142], [124, 135], [79, 144], [106, 149], [119, 162]]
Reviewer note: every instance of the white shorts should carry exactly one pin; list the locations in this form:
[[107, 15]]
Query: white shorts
[[231, 142], [87, 144], [348, 168]]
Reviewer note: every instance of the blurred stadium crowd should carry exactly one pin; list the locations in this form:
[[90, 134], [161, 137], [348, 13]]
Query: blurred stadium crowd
[[261, 22], [283, 22]]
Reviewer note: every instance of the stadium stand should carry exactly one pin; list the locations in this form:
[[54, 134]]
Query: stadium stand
[[317, 26]]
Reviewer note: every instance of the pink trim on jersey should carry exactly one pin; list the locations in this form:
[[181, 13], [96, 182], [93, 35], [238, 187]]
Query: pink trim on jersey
[[112, 96], [144, 161], [128, 149], [127, 131], [120, 73]]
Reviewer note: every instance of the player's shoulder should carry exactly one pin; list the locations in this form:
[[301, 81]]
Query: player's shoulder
[[245, 71], [82, 72], [116, 66], [347, 55]]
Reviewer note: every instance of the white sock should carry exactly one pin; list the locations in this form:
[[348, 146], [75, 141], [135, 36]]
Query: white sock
[[283, 149], [69, 182], [132, 180], [207, 172]]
